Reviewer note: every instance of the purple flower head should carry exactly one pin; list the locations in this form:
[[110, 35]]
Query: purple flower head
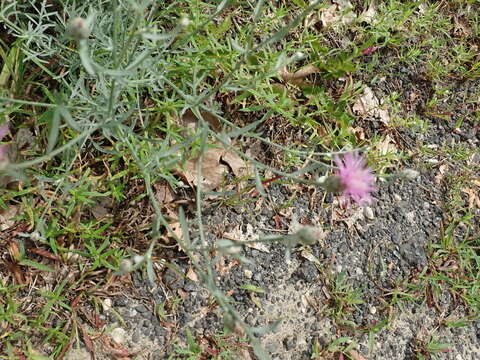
[[356, 179]]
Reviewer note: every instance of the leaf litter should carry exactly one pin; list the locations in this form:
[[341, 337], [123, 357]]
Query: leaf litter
[[368, 106]]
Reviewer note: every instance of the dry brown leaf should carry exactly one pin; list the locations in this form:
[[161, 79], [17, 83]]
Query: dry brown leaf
[[213, 168], [236, 163], [44, 253], [473, 199], [386, 146], [177, 229], [355, 355], [190, 121], [222, 267], [349, 215], [461, 27], [369, 105], [339, 12], [298, 77], [6, 217], [103, 208], [441, 171], [192, 275], [14, 251], [87, 340], [17, 272], [237, 235], [369, 15], [310, 257], [163, 193]]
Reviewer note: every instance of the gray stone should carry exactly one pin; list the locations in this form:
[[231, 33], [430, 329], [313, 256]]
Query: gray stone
[[290, 342], [141, 308], [307, 271], [118, 335]]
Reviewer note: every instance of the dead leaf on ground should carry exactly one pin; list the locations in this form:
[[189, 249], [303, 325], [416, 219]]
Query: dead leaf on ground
[[103, 209], [339, 12], [473, 199], [369, 15], [250, 235], [355, 355], [190, 121], [369, 105], [441, 171], [461, 27], [386, 146], [215, 164], [163, 193], [224, 265], [176, 229], [192, 275], [349, 215], [298, 77], [44, 253], [6, 217], [310, 257], [87, 340]]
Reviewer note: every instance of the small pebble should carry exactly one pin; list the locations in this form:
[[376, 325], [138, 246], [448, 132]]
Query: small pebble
[[136, 336], [373, 310], [397, 197], [107, 305], [118, 335], [368, 213], [141, 308], [248, 273]]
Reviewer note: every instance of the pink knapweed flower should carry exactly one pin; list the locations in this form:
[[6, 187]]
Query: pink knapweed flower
[[356, 179]]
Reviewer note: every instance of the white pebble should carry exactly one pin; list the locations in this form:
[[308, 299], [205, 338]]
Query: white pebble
[[248, 273], [368, 212], [107, 305], [373, 310], [397, 197], [118, 335]]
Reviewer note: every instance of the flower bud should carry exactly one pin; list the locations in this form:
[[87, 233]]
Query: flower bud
[[125, 265], [306, 235], [332, 184], [78, 29], [137, 259], [184, 22]]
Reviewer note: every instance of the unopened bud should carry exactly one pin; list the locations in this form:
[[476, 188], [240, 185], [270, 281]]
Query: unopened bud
[[299, 55], [78, 29], [332, 184], [125, 265], [137, 259], [306, 235], [184, 22]]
